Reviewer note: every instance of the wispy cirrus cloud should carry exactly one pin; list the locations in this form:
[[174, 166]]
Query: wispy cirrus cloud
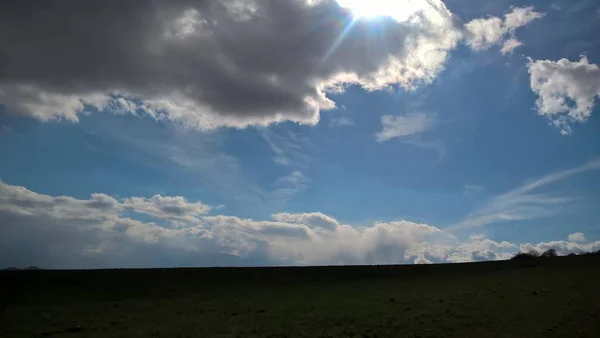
[[405, 125], [522, 203], [286, 187], [341, 121], [293, 152], [289, 149]]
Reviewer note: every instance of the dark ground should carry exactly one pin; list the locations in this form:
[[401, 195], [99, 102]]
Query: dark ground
[[558, 297]]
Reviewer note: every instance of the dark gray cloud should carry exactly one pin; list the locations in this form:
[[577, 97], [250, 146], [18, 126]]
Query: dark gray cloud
[[207, 63]]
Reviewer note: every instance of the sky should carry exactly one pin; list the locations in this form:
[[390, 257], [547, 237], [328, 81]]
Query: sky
[[297, 132]]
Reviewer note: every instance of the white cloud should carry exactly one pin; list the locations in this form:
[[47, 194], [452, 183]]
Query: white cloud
[[401, 126], [65, 232], [522, 203], [176, 209], [510, 45], [477, 249], [476, 238], [562, 247], [578, 237], [487, 32], [313, 220], [566, 90], [520, 16]]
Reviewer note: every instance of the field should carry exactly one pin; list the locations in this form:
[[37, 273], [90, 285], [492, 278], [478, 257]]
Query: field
[[558, 297]]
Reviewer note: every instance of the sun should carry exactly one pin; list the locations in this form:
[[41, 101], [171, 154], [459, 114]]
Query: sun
[[399, 10]]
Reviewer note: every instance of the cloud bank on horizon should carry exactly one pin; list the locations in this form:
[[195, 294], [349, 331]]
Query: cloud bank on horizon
[[65, 232]]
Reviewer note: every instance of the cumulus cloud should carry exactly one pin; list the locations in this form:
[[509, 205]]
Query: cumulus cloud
[[66, 232], [562, 247], [566, 90], [176, 209], [98, 206], [314, 220], [578, 237], [209, 64], [401, 126], [487, 32], [477, 237], [510, 45]]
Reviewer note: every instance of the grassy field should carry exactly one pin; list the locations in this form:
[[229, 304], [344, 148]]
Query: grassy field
[[557, 297]]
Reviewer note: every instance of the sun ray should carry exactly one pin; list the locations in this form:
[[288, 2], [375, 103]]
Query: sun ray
[[339, 39]]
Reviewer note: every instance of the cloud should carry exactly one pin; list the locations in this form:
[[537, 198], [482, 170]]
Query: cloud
[[578, 237], [475, 250], [566, 90], [342, 121], [216, 64], [172, 209], [520, 16], [288, 186], [66, 232], [522, 203], [487, 32], [313, 220], [401, 126], [176, 209], [562, 247], [201, 157], [289, 149], [208, 64], [477, 237], [510, 45]]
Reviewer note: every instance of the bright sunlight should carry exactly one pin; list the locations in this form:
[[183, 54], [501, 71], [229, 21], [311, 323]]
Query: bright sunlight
[[400, 10]]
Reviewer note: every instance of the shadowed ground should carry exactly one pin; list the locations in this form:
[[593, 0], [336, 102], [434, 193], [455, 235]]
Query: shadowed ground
[[557, 297]]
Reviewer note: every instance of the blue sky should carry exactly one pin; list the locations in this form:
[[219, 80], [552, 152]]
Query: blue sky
[[459, 162]]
